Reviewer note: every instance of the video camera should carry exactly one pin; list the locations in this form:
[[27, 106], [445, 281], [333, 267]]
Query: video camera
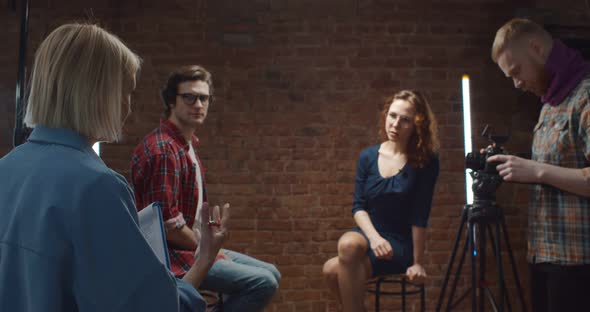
[[477, 161], [486, 178]]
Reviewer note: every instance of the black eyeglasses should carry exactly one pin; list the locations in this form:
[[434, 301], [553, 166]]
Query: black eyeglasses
[[191, 98]]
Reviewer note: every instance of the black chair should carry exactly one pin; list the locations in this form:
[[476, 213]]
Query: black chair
[[407, 288], [214, 299]]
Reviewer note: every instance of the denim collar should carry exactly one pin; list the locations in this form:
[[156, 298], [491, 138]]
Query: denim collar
[[61, 136]]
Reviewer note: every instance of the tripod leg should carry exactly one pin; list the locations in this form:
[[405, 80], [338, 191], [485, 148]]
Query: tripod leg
[[490, 296], [492, 237], [513, 264], [482, 264], [500, 268], [457, 274], [450, 266], [474, 287]]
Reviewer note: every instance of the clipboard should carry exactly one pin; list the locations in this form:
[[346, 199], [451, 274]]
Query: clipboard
[[151, 225]]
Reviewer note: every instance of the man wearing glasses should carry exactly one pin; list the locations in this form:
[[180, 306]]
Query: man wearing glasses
[[166, 168]]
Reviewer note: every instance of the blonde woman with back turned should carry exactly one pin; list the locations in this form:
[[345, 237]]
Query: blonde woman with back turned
[[69, 239]]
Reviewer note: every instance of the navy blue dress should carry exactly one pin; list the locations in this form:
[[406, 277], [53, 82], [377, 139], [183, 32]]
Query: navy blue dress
[[394, 205]]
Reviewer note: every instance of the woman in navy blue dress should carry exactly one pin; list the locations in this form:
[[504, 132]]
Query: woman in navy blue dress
[[394, 186]]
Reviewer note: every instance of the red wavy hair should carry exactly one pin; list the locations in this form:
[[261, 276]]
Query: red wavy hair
[[424, 142]]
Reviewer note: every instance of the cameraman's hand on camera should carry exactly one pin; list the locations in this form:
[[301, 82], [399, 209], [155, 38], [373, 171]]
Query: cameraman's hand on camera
[[213, 230], [516, 169], [381, 248]]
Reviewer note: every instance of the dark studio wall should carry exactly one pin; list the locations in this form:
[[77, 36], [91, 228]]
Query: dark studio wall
[[298, 89]]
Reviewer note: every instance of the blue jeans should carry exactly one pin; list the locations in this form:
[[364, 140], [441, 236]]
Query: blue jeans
[[247, 284], [189, 300]]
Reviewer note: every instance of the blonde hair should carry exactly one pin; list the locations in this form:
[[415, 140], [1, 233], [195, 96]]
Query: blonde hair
[[80, 76], [514, 31]]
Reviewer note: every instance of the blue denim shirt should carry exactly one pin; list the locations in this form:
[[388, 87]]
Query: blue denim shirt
[[69, 239]]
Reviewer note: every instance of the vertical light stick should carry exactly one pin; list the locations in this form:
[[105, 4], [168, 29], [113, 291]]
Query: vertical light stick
[[467, 135]]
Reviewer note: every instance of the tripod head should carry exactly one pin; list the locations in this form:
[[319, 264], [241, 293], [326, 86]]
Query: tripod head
[[486, 178]]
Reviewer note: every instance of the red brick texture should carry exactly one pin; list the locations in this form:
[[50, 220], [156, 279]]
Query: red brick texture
[[298, 88]]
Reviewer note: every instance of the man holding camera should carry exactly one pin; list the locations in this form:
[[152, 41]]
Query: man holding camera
[[559, 171]]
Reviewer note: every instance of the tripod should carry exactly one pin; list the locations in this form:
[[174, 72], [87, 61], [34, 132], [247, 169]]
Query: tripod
[[480, 218]]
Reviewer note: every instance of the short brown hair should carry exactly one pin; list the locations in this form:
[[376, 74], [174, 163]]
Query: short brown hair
[[423, 143], [180, 75], [513, 31]]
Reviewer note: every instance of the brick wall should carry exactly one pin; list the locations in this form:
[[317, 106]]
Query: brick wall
[[299, 85]]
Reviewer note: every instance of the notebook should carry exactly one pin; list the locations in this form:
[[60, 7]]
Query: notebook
[[151, 225]]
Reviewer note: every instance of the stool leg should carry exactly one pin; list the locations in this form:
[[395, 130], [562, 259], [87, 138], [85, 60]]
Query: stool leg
[[377, 294], [403, 294], [422, 298]]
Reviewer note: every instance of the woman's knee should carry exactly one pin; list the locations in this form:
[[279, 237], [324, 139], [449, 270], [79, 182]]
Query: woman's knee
[[330, 269], [351, 248]]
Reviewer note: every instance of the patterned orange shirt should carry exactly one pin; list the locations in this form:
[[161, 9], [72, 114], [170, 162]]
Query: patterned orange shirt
[[559, 221]]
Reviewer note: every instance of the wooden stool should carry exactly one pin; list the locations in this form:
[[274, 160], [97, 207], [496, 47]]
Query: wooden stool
[[374, 287], [214, 299]]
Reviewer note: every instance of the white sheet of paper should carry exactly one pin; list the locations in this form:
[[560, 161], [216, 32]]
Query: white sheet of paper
[[152, 227]]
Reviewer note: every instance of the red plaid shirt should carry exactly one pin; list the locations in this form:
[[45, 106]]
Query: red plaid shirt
[[162, 170]]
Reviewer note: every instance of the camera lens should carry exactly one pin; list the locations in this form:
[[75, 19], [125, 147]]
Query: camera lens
[[475, 161]]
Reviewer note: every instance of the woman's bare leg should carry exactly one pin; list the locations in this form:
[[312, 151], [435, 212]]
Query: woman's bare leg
[[354, 268], [330, 270]]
